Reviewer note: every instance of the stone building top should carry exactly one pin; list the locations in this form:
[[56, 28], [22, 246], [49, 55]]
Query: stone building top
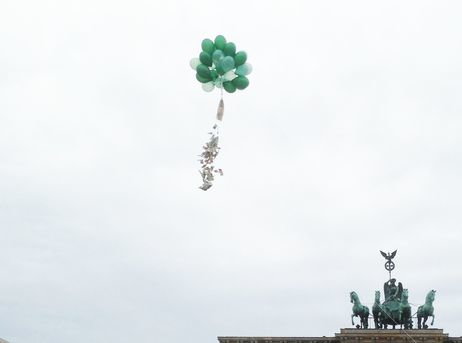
[[356, 336]]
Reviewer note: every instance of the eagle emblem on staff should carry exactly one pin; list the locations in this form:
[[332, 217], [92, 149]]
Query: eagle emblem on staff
[[389, 256], [389, 265]]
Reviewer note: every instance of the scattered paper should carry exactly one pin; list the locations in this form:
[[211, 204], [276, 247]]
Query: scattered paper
[[207, 158]]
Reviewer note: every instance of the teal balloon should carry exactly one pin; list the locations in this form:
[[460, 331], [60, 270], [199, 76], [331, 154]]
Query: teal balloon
[[240, 58], [202, 79], [208, 46], [204, 71], [217, 56], [214, 74], [227, 63], [220, 42], [220, 69], [241, 82], [230, 49], [205, 58], [229, 87], [244, 69]]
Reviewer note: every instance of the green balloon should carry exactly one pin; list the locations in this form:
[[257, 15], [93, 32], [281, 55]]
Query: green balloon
[[230, 49], [217, 56], [241, 82], [240, 58], [229, 87], [214, 74], [220, 69], [204, 71], [227, 63], [205, 58], [208, 46], [202, 79], [220, 42]]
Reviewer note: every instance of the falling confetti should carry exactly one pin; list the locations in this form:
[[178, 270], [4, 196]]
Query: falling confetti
[[207, 159]]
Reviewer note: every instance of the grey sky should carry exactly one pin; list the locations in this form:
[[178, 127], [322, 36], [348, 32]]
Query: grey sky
[[347, 141]]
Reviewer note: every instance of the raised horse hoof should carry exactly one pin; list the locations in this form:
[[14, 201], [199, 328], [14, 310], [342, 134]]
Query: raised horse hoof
[[358, 326]]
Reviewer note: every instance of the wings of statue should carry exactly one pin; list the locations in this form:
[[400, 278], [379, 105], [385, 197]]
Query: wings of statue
[[389, 256]]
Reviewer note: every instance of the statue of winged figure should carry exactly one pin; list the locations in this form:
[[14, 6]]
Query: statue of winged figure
[[392, 291]]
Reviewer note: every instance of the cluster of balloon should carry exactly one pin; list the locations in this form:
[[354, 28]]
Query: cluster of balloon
[[218, 66]]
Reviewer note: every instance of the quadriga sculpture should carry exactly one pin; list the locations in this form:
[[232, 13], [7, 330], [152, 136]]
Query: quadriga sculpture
[[395, 309]]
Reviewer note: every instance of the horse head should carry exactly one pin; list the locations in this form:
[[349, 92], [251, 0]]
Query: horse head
[[353, 297], [430, 296], [405, 294]]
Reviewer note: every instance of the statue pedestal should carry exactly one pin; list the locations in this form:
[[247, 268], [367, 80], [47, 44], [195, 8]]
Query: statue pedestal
[[391, 336], [357, 336]]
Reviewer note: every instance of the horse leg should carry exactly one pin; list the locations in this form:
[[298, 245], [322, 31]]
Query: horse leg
[[419, 322], [352, 321], [433, 319], [425, 326], [365, 321]]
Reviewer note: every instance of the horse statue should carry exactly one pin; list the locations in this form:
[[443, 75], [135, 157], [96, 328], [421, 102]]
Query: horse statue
[[360, 311], [405, 310], [426, 310], [376, 312]]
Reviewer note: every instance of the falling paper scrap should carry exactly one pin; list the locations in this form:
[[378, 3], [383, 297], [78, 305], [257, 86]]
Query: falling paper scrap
[[209, 153]]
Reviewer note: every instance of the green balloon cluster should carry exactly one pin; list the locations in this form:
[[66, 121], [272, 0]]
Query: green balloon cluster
[[219, 65]]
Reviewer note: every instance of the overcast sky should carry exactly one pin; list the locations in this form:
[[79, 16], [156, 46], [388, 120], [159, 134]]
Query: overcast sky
[[347, 141]]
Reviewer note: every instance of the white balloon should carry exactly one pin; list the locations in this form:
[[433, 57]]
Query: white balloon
[[229, 76], [249, 68], [208, 87], [194, 63]]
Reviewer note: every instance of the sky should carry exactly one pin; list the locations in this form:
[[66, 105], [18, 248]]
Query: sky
[[346, 142]]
